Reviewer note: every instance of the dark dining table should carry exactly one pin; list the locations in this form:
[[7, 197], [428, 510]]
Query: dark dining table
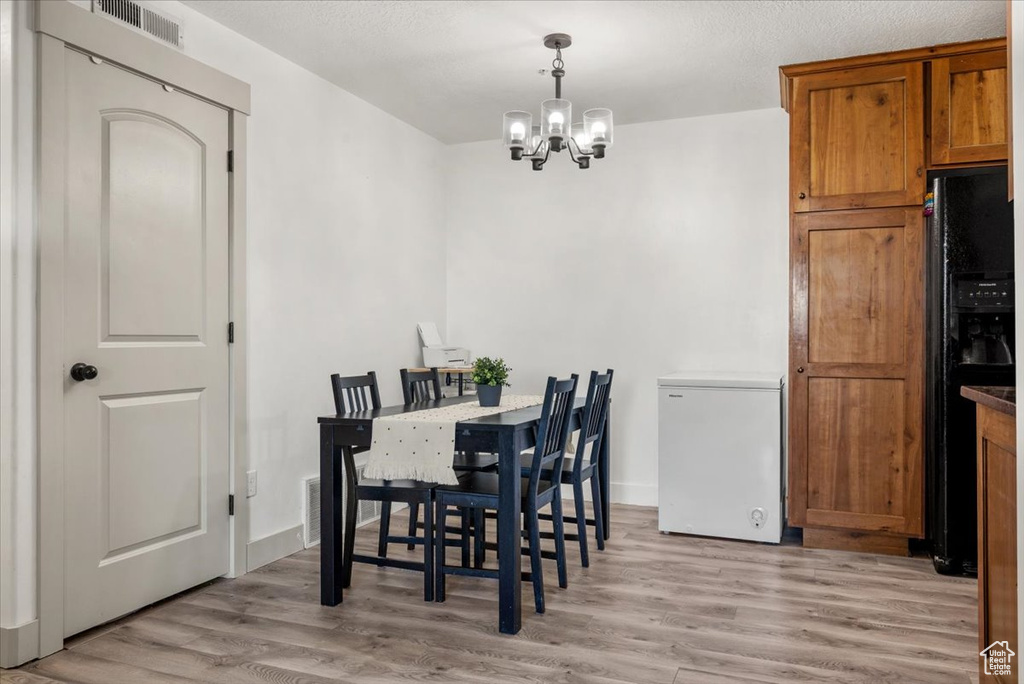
[[507, 434]]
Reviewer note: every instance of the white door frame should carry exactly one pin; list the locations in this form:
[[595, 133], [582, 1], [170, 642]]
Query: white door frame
[[62, 25]]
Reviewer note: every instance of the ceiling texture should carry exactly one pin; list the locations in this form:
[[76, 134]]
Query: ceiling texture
[[452, 68]]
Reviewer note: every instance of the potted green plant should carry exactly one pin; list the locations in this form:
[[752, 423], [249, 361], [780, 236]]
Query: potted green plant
[[490, 375]]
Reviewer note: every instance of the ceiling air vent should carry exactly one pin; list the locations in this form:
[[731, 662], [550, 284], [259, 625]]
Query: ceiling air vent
[[135, 15]]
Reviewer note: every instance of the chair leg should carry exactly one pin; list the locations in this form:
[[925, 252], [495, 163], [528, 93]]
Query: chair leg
[[536, 569], [478, 537], [439, 547], [428, 551], [385, 529], [414, 516], [559, 525], [465, 537], [595, 494], [581, 522]]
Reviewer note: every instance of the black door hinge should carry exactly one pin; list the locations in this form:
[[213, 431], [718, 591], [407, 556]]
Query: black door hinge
[[231, 161], [231, 504], [231, 332]]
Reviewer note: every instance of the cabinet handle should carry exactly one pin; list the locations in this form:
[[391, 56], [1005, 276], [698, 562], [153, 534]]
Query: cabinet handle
[[800, 369], [802, 196]]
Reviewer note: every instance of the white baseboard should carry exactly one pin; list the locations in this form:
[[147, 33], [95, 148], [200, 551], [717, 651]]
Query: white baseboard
[[18, 645], [622, 492], [634, 494], [273, 547]]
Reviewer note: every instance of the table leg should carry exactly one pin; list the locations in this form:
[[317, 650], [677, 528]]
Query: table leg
[[604, 473], [350, 513], [509, 536], [331, 559], [461, 375]]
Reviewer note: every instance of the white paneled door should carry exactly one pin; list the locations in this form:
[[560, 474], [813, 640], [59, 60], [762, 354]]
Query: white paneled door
[[146, 313]]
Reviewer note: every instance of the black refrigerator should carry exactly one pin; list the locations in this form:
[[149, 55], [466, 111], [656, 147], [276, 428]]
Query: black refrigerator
[[970, 341]]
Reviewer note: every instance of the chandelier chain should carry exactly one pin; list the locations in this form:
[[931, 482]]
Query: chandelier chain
[[557, 62]]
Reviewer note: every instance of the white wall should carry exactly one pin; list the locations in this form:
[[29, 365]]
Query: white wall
[[670, 254], [346, 239], [345, 255]]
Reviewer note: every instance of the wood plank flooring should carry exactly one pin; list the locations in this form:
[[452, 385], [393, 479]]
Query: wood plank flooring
[[652, 608]]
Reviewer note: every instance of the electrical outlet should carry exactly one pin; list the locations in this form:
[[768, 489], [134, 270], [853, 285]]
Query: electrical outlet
[[250, 483]]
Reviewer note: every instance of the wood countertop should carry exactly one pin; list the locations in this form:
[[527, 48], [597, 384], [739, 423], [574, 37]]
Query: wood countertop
[[1002, 399]]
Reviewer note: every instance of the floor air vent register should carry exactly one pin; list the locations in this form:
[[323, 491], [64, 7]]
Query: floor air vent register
[[366, 511]]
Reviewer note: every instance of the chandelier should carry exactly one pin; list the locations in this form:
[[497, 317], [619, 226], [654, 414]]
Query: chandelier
[[556, 131]]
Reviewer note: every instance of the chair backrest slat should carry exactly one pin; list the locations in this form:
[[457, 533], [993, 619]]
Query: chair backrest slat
[[354, 388], [420, 386], [595, 414], [553, 431]]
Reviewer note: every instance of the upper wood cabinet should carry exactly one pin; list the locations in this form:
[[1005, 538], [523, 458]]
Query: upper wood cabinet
[[856, 374], [857, 138], [969, 111]]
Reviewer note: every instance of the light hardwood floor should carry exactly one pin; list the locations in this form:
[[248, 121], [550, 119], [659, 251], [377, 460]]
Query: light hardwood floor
[[651, 608]]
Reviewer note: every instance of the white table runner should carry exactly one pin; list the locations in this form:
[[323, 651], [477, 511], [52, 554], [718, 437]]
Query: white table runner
[[420, 445]]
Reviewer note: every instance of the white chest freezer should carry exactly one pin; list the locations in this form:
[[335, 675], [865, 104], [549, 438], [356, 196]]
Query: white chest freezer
[[720, 451]]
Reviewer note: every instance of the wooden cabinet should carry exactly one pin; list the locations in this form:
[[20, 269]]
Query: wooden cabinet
[[997, 536], [859, 159], [857, 138], [969, 110], [856, 375]]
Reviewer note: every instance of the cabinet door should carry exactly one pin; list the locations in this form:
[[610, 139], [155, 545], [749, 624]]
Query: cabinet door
[[857, 138], [997, 537], [969, 121], [856, 374]]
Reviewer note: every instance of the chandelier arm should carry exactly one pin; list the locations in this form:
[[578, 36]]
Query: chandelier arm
[[579, 150], [538, 164], [584, 161], [568, 146]]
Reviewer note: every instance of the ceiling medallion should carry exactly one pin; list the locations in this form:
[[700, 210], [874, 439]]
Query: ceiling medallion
[[556, 132]]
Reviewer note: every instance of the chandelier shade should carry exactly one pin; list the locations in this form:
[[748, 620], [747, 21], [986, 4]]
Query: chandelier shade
[[597, 126], [556, 117], [556, 131], [518, 131]]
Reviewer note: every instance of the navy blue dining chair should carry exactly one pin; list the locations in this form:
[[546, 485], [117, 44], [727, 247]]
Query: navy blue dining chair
[[423, 386], [576, 470], [420, 386], [360, 393], [540, 489]]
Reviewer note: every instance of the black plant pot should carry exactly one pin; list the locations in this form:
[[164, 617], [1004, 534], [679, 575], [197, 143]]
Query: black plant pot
[[489, 395]]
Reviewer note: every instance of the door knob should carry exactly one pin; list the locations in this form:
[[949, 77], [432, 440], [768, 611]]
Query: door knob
[[802, 195], [83, 371], [800, 369]]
